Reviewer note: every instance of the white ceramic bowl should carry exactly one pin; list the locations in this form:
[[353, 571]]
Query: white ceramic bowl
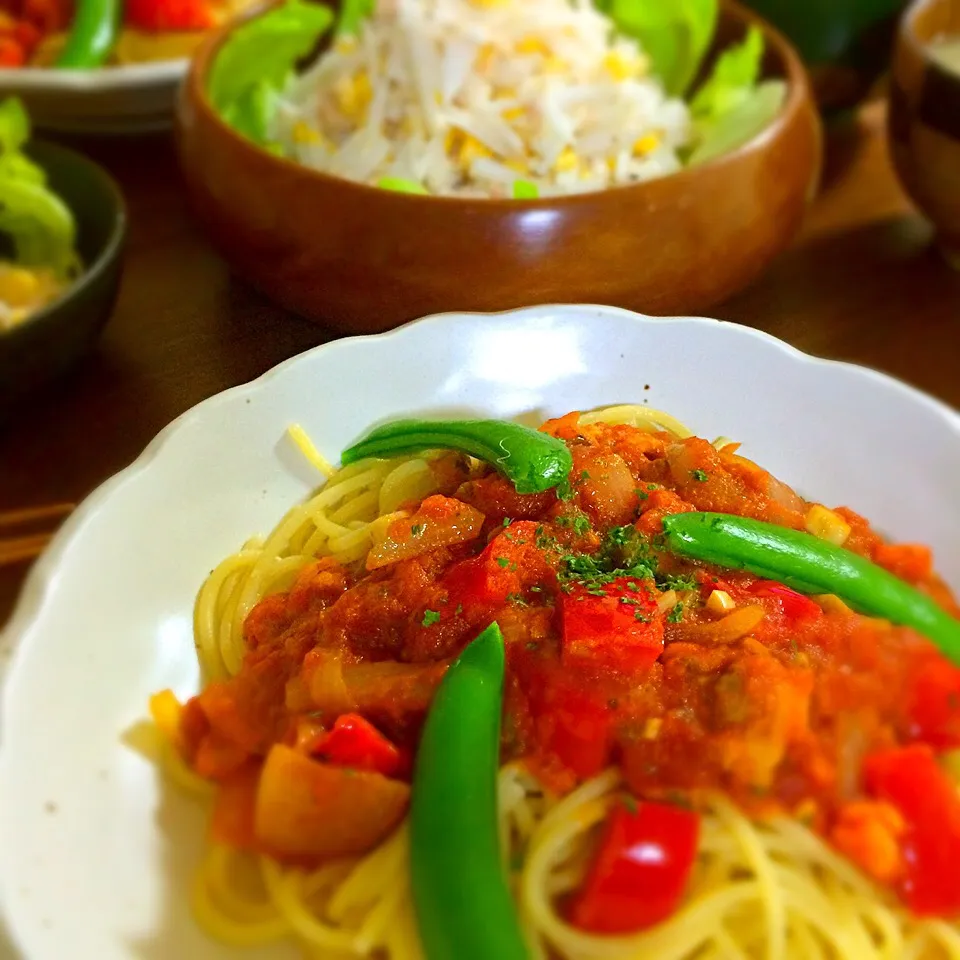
[[94, 857], [137, 98]]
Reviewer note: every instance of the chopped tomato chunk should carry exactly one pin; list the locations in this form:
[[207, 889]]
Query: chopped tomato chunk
[[510, 563], [910, 779], [935, 704], [356, 743], [614, 626], [640, 871], [795, 605]]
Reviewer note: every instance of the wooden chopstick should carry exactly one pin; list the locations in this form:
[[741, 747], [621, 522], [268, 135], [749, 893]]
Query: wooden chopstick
[[37, 528], [18, 549], [53, 511]]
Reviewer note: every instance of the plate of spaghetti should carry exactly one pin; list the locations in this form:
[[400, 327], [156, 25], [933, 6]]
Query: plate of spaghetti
[[583, 635], [102, 66]]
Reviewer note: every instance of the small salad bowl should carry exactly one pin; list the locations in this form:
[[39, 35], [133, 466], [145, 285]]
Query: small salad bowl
[[55, 337], [924, 121], [364, 259]]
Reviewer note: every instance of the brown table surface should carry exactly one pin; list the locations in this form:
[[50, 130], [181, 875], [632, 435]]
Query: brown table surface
[[861, 284]]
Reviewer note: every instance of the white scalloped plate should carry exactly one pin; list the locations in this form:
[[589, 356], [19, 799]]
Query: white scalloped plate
[[94, 857]]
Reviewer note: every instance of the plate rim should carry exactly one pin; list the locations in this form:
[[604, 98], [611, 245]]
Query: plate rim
[[36, 587], [100, 81]]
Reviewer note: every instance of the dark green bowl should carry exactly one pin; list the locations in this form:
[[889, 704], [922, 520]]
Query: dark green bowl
[[53, 339], [847, 44]]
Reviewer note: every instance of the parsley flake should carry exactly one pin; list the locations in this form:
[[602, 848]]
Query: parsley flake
[[503, 562], [417, 529], [676, 614], [701, 476], [430, 617]]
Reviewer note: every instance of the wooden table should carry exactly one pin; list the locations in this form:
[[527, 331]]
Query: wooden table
[[860, 284]]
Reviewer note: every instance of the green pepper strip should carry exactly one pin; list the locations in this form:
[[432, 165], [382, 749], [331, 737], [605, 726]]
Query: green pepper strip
[[811, 565], [532, 461], [463, 904], [92, 35]]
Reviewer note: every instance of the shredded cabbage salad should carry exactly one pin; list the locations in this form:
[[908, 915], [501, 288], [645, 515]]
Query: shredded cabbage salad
[[496, 98]]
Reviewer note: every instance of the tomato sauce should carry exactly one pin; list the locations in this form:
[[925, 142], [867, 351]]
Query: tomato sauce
[[691, 679]]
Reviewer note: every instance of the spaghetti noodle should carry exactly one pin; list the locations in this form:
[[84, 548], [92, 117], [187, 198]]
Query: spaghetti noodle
[[765, 886]]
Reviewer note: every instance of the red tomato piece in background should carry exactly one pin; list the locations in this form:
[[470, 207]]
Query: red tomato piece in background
[[640, 871], [157, 16], [615, 627], [911, 780]]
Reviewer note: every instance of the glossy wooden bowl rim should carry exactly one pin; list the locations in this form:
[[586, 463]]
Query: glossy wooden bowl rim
[[908, 28], [798, 94], [107, 255]]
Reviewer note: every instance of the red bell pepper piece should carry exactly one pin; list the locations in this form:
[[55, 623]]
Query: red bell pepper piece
[[618, 630], [795, 605], [934, 709], [641, 869], [911, 780], [573, 725], [355, 742], [157, 16]]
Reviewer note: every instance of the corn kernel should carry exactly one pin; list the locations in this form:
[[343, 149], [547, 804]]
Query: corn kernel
[[304, 133], [555, 65], [827, 525], [566, 161], [831, 603], [646, 144], [533, 45], [19, 287], [353, 96], [622, 68], [514, 113], [485, 57], [720, 602], [465, 148], [651, 729], [519, 166]]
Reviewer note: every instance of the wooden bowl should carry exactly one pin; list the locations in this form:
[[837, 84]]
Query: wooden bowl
[[362, 259], [925, 119]]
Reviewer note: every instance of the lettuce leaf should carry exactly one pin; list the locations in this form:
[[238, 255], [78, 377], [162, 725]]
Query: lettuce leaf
[[39, 224], [732, 79], [675, 34], [352, 14], [255, 63], [730, 107], [740, 124]]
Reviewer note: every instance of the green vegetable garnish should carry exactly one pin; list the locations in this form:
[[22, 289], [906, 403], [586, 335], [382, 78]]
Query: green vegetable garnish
[[730, 107], [741, 124], [525, 190], [464, 907], [38, 222], [352, 14], [257, 60], [531, 460], [675, 35], [399, 185], [92, 35], [733, 77], [811, 565]]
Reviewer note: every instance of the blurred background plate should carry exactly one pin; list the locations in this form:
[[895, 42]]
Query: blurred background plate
[[129, 99]]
